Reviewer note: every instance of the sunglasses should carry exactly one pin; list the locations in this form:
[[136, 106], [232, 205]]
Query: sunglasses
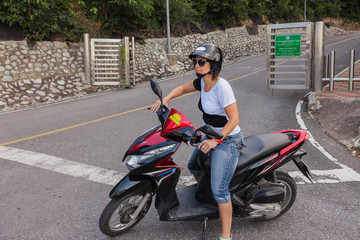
[[201, 62]]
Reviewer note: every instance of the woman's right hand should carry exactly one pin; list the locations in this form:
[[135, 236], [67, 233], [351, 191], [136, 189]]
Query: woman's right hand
[[155, 107], [185, 88]]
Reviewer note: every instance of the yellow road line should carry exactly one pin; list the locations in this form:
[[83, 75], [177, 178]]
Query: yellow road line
[[249, 74], [344, 40], [137, 109], [74, 126], [108, 117]]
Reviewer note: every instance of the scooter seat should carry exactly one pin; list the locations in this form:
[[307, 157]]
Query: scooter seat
[[260, 146], [257, 147]]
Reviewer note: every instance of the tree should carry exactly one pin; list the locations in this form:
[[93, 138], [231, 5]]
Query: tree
[[37, 18], [41, 18]]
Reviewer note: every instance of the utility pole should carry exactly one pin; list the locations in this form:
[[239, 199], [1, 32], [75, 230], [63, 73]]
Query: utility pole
[[168, 25], [171, 57], [304, 10]]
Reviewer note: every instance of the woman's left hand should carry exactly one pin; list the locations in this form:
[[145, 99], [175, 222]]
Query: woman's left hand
[[208, 144]]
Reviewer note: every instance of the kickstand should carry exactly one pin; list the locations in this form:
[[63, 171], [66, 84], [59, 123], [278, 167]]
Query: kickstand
[[203, 237]]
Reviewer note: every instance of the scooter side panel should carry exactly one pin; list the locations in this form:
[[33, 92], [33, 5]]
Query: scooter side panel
[[166, 198], [126, 185]]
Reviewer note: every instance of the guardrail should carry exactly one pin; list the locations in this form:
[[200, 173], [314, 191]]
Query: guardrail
[[329, 70]]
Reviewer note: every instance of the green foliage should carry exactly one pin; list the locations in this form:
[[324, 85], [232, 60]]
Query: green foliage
[[76, 33], [118, 14], [41, 18], [38, 18], [221, 11], [125, 15], [321, 8], [350, 10], [278, 10]]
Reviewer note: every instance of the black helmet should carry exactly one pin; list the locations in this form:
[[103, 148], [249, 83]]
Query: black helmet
[[211, 52]]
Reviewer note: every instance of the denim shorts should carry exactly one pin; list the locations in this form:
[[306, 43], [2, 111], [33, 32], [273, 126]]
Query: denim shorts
[[223, 164]]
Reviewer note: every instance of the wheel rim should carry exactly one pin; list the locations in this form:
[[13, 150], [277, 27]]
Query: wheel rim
[[121, 217], [288, 195]]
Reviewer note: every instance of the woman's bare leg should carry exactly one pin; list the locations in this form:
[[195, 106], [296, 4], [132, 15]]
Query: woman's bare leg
[[225, 212]]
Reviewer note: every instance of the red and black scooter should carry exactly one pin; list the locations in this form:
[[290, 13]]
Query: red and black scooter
[[257, 190]]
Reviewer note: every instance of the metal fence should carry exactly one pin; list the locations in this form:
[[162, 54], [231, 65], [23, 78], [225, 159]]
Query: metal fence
[[289, 55], [106, 61], [329, 71], [112, 61]]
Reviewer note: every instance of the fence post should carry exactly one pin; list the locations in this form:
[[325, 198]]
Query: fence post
[[319, 55], [332, 69], [326, 66], [127, 61], [133, 60], [87, 58], [351, 70]]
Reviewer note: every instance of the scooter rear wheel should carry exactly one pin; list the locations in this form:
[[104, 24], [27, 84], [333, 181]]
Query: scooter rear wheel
[[290, 192], [116, 217]]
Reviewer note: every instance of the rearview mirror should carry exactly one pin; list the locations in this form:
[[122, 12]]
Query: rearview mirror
[[210, 131], [156, 89]]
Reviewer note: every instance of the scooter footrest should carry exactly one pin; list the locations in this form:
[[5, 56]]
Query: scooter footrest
[[190, 209]]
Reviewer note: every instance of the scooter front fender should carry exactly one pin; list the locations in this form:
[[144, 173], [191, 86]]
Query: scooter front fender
[[126, 185]]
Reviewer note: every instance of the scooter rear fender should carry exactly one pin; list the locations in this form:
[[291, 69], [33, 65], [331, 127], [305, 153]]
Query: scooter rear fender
[[126, 185], [300, 164]]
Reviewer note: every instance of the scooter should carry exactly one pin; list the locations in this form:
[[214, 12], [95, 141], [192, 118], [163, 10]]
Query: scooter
[[257, 190]]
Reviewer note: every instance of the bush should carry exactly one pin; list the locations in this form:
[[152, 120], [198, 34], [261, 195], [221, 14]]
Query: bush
[[41, 18], [37, 18]]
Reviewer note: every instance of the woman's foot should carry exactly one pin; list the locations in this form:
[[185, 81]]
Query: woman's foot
[[225, 238]]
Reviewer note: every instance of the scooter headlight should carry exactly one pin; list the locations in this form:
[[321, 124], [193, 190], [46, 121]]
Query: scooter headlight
[[134, 161]]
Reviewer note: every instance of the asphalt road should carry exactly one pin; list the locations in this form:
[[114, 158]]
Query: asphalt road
[[49, 156]]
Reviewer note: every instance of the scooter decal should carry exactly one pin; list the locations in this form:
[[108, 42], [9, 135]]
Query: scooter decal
[[271, 166], [176, 118], [263, 162], [167, 163], [162, 174]]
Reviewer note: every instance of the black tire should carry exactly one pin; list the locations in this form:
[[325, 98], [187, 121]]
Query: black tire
[[115, 218], [290, 192]]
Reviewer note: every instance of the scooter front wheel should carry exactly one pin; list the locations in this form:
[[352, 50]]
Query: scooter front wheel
[[118, 216]]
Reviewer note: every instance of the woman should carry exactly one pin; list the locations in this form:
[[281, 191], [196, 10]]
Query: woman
[[218, 104]]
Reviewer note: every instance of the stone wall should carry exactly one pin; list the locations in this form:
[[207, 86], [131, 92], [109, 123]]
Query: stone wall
[[42, 72], [20, 61], [236, 43], [51, 71]]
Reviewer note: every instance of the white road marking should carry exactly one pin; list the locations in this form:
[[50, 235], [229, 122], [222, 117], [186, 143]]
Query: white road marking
[[345, 174], [327, 176], [111, 177], [59, 165], [186, 180]]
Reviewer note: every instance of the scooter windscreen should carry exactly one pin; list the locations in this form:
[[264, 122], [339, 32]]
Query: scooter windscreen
[[175, 121], [178, 126]]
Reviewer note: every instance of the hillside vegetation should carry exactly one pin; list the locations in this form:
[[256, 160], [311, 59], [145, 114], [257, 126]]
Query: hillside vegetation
[[69, 19]]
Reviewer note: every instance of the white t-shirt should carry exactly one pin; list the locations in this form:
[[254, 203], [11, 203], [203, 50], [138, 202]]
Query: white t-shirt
[[218, 98]]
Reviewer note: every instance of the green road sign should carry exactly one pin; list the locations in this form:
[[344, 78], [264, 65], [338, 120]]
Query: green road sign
[[287, 45]]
